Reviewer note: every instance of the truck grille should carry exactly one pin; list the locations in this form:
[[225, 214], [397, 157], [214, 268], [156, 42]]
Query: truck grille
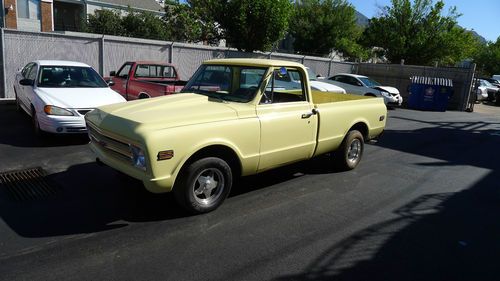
[[113, 146]]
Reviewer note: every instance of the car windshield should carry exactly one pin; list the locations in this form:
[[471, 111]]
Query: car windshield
[[369, 82], [485, 83], [226, 82], [69, 77]]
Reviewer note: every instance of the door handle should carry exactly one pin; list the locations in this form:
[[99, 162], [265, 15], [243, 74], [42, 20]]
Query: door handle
[[309, 114]]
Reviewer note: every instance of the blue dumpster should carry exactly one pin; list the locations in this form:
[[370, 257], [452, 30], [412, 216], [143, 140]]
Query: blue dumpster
[[430, 93]]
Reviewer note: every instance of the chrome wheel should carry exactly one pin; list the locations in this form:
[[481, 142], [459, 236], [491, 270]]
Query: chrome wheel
[[208, 186], [203, 185], [354, 151], [350, 151]]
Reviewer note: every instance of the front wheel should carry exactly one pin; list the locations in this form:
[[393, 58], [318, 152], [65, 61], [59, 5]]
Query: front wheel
[[204, 185], [348, 155]]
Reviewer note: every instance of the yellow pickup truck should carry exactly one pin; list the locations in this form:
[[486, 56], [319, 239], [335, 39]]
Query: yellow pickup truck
[[235, 117]]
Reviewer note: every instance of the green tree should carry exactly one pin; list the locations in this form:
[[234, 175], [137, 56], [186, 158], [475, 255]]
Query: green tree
[[105, 22], [144, 25], [254, 25], [193, 21], [488, 58], [418, 33], [320, 26]]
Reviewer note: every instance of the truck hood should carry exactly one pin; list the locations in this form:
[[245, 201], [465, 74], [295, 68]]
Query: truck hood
[[78, 97], [160, 113], [388, 89]]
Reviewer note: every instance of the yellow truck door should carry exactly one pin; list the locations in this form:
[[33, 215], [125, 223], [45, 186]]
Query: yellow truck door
[[288, 127]]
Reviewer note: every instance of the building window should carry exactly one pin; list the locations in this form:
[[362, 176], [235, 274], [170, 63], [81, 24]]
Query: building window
[[28, 9]]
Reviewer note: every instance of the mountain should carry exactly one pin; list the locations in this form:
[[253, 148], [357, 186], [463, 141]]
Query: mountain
[[361, 19], [479, 37]]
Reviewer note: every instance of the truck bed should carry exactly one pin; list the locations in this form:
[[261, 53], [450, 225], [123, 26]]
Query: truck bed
[[320, 97], [340, 112]]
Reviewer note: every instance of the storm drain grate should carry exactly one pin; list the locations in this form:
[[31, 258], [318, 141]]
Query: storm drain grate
[[29, 184]]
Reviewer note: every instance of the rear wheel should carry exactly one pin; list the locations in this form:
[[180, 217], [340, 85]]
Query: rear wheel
[[204, 185], [348, 155]]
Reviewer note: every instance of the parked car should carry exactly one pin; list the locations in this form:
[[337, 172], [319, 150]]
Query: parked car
[[292, 80], [232, 119], [486, 91], [365, 86], [493, 82], [146, 79], [57, 94], [320, 85]]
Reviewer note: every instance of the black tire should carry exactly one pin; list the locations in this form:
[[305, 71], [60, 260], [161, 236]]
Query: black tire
[[197, 199], [349, 154], [36, 125], [18, 105]]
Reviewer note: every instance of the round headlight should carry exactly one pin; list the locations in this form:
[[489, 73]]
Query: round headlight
[[138, 158]]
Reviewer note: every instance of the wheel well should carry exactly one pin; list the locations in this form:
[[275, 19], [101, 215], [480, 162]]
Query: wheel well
[[370, 95], [144, 96], [362, 128], [220, 151]]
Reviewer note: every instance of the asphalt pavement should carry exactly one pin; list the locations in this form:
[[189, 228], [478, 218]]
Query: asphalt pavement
[[422, 205]]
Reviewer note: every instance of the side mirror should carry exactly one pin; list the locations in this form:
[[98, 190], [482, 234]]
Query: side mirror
[[27, 82], [112, 73], [111, 83]]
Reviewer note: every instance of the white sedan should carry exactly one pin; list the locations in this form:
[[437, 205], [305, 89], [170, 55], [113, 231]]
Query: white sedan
[[57, 94], [362, 85]]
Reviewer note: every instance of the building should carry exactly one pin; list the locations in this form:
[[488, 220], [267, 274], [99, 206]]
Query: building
[[63, 15]]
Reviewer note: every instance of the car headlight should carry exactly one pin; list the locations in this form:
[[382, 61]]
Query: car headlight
[[54, 110], [385, 94], [138, 158]]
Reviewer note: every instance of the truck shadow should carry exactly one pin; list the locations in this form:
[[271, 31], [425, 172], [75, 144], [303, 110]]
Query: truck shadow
[[436, 236], [90, 198], [87, 198]]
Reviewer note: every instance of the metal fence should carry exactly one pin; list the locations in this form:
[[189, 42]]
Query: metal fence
[[399, 76], [106, 53]]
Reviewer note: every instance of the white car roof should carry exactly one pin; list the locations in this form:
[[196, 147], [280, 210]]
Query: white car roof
[[62, 63], [352, 75]]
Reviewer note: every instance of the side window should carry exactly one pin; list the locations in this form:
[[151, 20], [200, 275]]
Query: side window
[[354, 81], [341, 79], [123, 72], [281, 88], [32, 73], [26, 69], [168, 72], [143, 70]]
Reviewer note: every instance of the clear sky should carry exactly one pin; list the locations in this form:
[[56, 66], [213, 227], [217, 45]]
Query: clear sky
[[481, 15]]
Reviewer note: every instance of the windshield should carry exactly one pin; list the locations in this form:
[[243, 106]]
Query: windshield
[[69, 77], [485, 83], [226, 82], [369, 82]]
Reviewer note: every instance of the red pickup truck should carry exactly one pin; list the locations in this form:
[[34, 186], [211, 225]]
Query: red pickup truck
[[145, 79]]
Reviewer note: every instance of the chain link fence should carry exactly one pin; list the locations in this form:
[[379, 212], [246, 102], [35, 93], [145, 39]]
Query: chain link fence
[[107, 53]]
